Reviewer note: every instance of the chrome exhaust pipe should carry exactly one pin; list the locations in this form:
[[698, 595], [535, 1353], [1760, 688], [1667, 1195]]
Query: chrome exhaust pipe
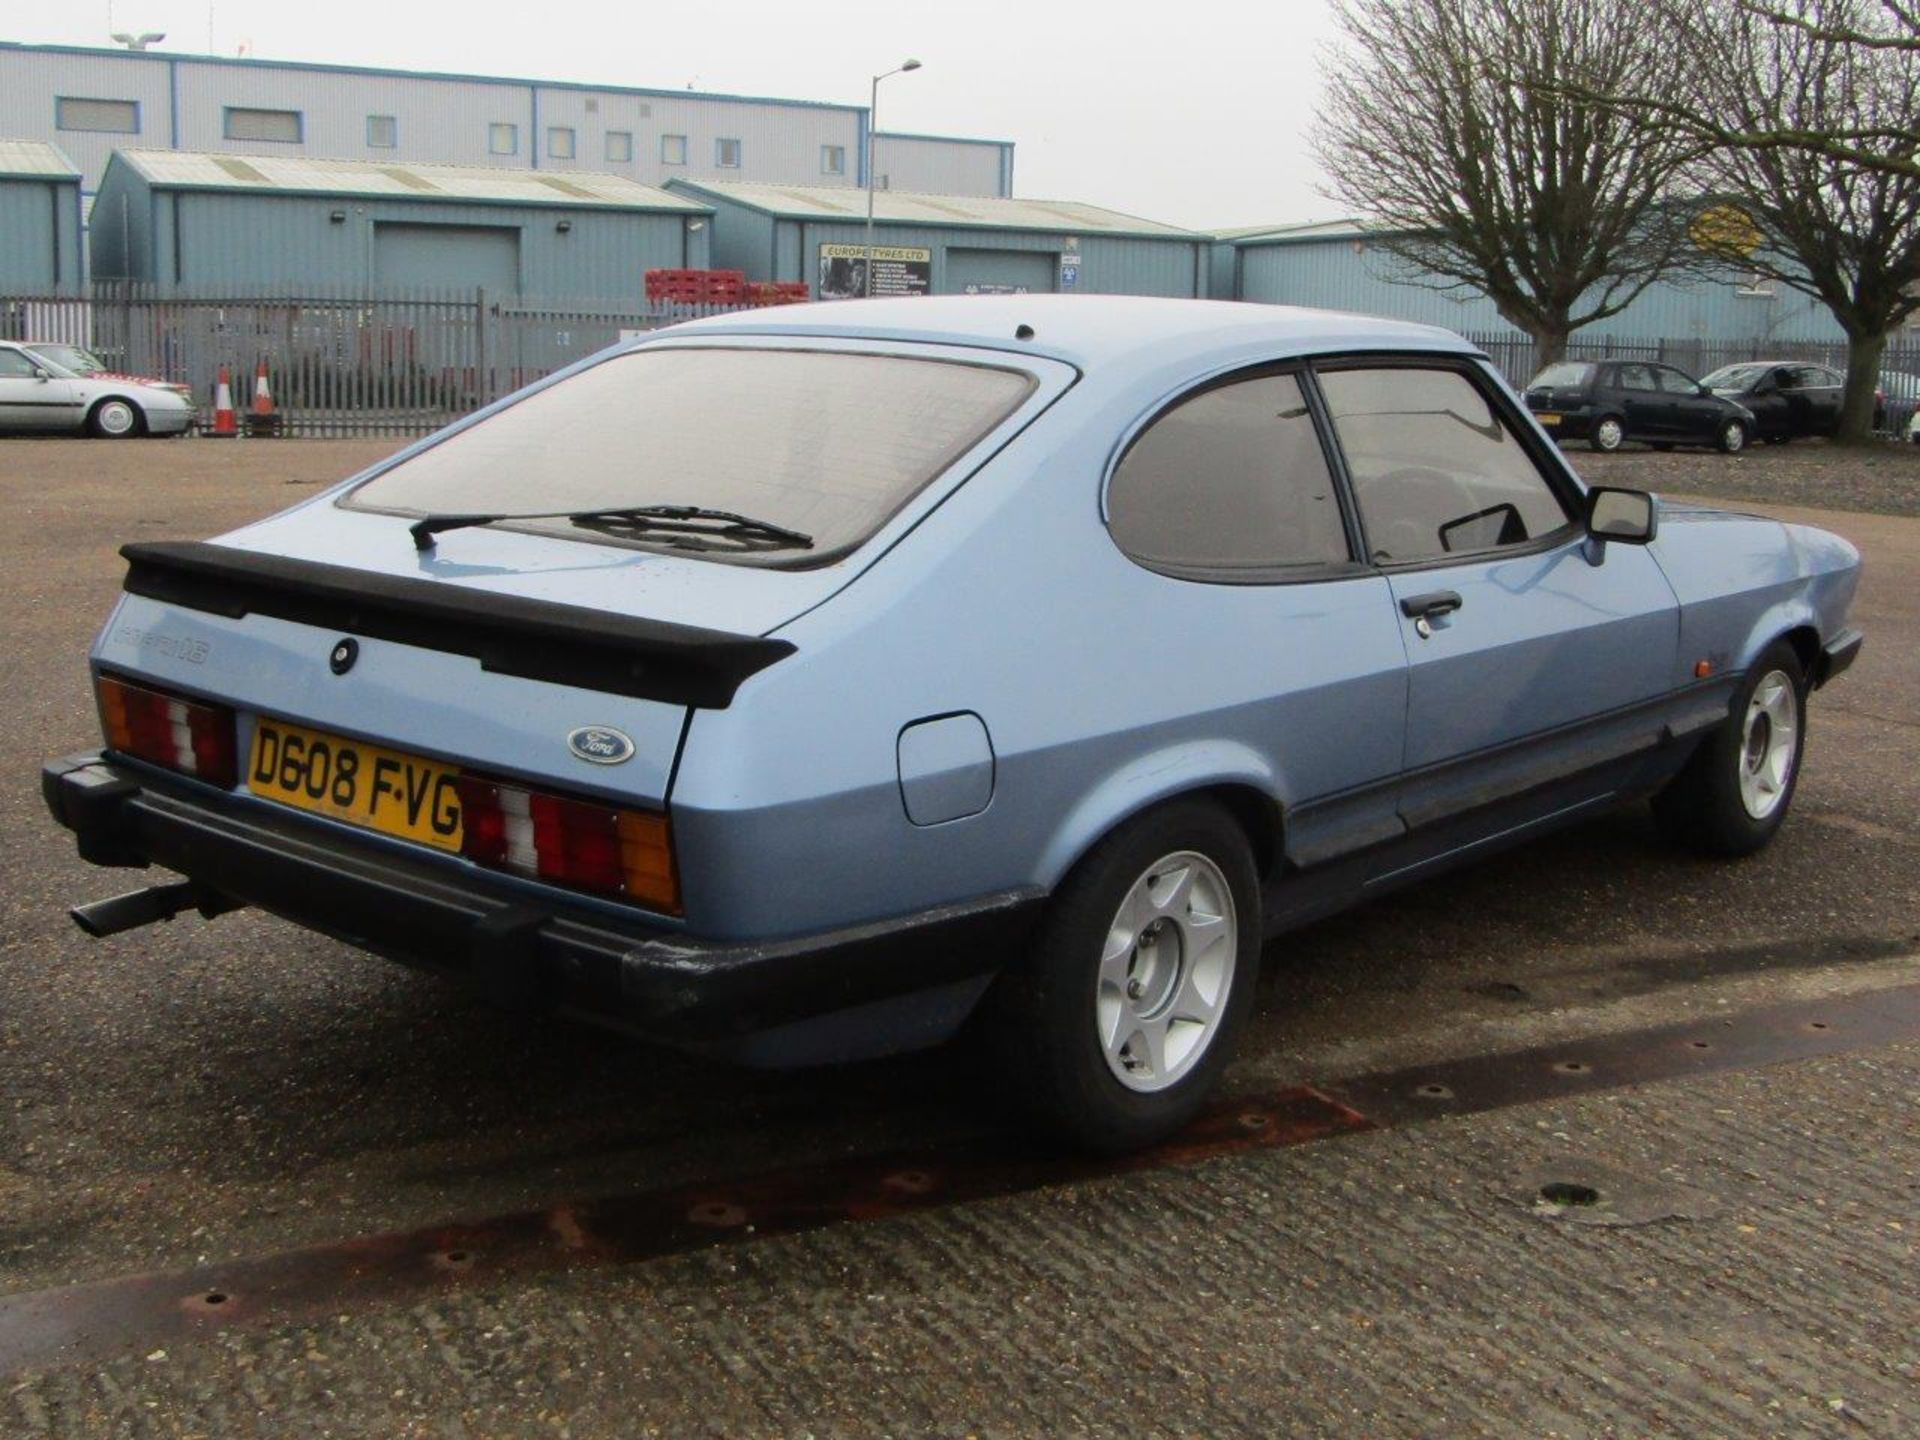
[[144, 907]]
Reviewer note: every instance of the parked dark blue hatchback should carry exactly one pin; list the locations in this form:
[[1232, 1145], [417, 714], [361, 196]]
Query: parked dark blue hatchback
[[1609, 402]]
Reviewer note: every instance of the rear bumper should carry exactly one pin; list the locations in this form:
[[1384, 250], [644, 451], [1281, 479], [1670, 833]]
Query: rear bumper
[[870, 989], [1572, 424]]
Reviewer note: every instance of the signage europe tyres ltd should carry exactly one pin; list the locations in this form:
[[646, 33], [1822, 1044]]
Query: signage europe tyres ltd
[[897, 270]]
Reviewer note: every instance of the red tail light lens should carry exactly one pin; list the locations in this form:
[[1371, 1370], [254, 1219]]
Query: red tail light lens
[[569, 842], [185, 735]]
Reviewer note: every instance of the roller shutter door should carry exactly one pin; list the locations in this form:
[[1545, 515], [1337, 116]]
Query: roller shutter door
[[447, 257], [1001, 271]]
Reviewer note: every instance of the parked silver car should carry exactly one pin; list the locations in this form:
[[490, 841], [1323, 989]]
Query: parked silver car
[[64, 388]]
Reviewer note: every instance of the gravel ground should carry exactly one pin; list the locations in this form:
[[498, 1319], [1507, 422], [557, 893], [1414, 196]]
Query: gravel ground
[[1882, 478], [199, 1091]]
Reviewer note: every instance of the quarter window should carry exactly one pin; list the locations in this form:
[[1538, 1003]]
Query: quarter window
[[1229, 484], [1435, 469]]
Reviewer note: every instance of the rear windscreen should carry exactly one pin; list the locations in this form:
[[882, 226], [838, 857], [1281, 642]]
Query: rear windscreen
[[827, 443], [1565, 372]]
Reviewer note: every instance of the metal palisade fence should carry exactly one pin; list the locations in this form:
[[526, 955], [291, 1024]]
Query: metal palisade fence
[[391, 362], [1513, 353]]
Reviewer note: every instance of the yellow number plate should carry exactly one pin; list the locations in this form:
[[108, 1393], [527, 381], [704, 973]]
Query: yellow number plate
[[385, 790], [1547, 418]]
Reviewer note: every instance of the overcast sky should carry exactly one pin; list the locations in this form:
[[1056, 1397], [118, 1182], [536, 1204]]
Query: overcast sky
[[1196, 115]]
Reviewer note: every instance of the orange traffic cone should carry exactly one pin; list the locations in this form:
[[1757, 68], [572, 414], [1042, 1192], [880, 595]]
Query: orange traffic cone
[[225, 422], [262, 420]]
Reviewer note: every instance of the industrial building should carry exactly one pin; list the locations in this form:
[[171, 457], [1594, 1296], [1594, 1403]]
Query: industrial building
[[197, 222], [1343, 265], [92, 102], [39, 219], [931, 244]]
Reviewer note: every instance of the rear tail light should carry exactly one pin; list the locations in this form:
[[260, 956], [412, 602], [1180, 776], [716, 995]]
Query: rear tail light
[[185, 735], [569, 842]]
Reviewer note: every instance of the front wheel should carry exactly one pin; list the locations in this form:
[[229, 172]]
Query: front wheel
[[1608, 433], [1731, 438], [1120, 1021], [1734, 793], [115, 420]]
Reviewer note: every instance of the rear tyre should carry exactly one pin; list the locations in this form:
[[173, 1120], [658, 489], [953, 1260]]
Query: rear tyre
[[115, 420], [1731, 437], [1734, 793], [1118, 1024], [1609, 431]]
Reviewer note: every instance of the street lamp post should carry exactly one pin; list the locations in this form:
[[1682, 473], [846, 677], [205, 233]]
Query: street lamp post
[[873, 113]]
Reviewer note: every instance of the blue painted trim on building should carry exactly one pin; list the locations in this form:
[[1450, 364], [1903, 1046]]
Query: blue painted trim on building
[[533, 127], [173, 104], [942, 139], [250, 62], [864, 122], [680, 185]]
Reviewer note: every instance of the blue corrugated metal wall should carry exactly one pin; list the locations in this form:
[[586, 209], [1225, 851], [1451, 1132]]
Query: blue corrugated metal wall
[[40, 235], [1349, 273], [781, 249], [203, 239]]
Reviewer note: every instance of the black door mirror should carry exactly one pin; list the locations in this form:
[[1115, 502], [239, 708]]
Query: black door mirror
[[1624, 515]]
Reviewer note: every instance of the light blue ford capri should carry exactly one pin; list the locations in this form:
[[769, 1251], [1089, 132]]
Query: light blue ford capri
[[796, 685]]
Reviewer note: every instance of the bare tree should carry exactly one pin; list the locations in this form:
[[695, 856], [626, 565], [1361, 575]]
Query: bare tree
[[1458, 128], [1812, 116]]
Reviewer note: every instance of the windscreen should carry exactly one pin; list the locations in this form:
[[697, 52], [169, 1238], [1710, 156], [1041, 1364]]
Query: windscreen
[[827, 443], [1734, 377], [70, 358]]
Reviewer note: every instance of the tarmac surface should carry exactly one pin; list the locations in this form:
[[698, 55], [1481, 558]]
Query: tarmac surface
[[205, 1094]]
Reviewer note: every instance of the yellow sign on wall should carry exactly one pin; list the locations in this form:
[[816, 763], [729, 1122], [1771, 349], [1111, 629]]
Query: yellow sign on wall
[[1726, 230]]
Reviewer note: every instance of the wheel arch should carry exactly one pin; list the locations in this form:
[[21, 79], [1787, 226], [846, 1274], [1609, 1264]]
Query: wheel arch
[[1233, 776]]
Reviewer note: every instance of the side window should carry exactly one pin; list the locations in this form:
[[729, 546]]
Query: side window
[[1634, 377], [1435, 469], [1812, 377], [1229, 483], [15, 366], [1674, 383]]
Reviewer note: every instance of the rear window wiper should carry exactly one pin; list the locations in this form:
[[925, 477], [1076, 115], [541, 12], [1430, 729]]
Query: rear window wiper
[[662, 520]]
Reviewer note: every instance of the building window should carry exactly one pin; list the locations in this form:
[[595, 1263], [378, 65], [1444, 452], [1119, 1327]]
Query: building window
[[383, 132], [503, 139], [673, 149], [284, 127], [833, 159], [726, 154], [109, 117], [620, 146], [560, 142]]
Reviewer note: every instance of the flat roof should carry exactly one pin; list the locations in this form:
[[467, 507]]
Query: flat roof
[[300, 175], [35, 159], [1351, 228], [907, 207]]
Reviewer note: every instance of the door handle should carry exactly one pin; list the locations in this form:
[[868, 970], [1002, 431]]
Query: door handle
[[1431, 605]]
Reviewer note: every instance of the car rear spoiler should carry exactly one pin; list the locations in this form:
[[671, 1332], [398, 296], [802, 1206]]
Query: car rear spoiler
[[508, 634]]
